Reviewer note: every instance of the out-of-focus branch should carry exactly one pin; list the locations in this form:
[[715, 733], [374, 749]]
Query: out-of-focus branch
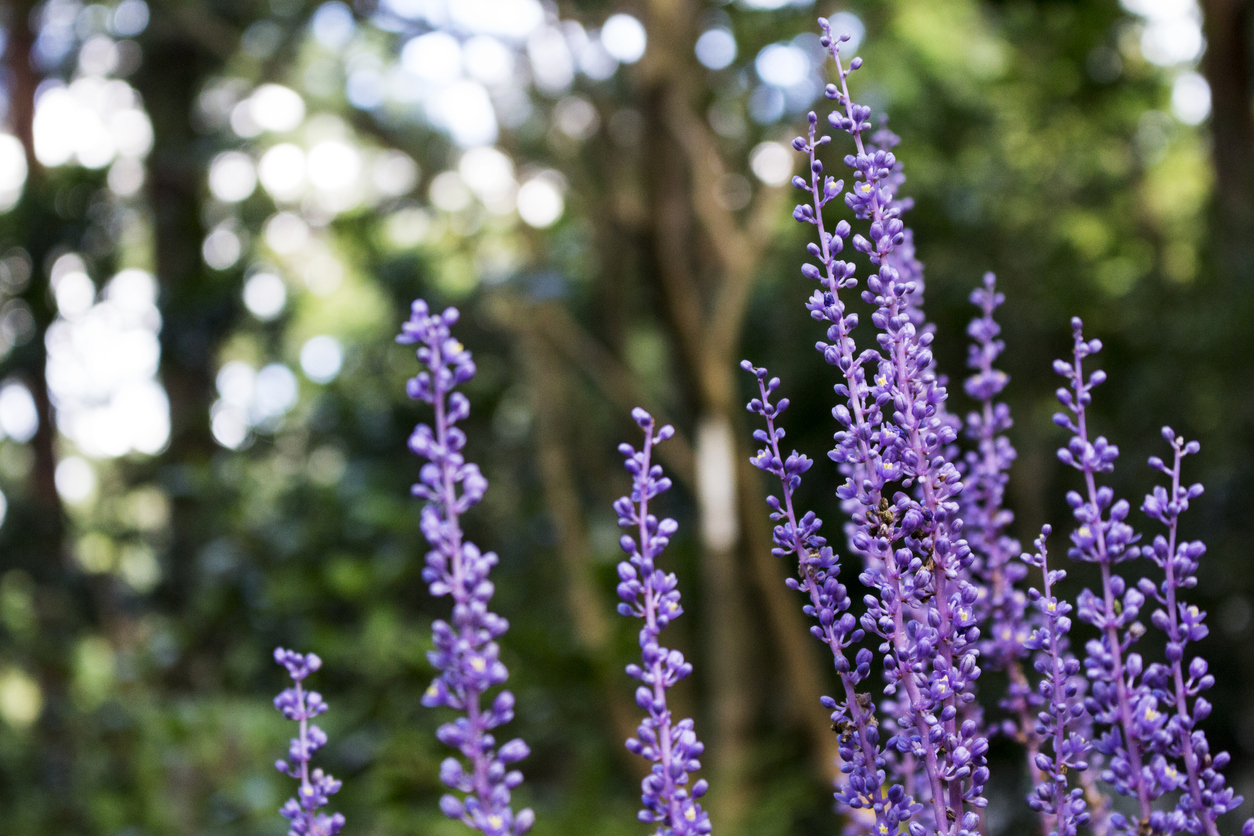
[[551, 404], [22, 82], [617, 384], [192, 22], [727, 237]]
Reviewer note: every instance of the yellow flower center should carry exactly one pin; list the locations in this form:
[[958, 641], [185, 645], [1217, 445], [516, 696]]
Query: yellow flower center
[[478, 664]]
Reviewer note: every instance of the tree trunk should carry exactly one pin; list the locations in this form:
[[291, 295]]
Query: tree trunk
[[1228, 70], [197, 310]]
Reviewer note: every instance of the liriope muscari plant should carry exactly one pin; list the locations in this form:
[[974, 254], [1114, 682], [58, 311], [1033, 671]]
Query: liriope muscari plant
[[927, 530], [650, 594], [295, 703], [466, 653]]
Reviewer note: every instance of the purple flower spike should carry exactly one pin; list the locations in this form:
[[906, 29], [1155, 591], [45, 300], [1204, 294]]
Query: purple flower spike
[[650, 594], [1178, 686], [1120, 701], [466, 653], [818, 571], [297, 704], [1064, 715], [986, 471], [902, 489]]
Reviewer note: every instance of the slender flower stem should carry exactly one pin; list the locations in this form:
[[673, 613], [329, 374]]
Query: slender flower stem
[[817, 572], [1080, 388], [650, 594], [1064, 711], [1177, 670], [1205, 797], [295, 703], [466, 653]]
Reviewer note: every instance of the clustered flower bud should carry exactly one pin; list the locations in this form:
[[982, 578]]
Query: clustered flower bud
[[901, 487], [648, 593], [297, 704], [466, 653]]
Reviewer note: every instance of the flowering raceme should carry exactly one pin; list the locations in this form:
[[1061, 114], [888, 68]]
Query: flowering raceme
[[297, 704], [466, 653], [650, 594]]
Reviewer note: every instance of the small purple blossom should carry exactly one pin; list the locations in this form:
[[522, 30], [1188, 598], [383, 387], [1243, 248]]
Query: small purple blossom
[[466, 653], [652, 595], [297, 704]]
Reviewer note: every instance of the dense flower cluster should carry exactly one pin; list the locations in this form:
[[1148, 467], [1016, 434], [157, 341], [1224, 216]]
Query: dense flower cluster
[[930, 530], [466, 653], [297, 704], [817, 578], [651, 595], [901, 486]]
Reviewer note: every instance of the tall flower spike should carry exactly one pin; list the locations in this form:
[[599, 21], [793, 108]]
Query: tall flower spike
[[901, 487], [1120, 700], [1204, 797], [297, 704], [818, 571], [652, 595], [986, 470], [466, 653], [1064, 714]]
